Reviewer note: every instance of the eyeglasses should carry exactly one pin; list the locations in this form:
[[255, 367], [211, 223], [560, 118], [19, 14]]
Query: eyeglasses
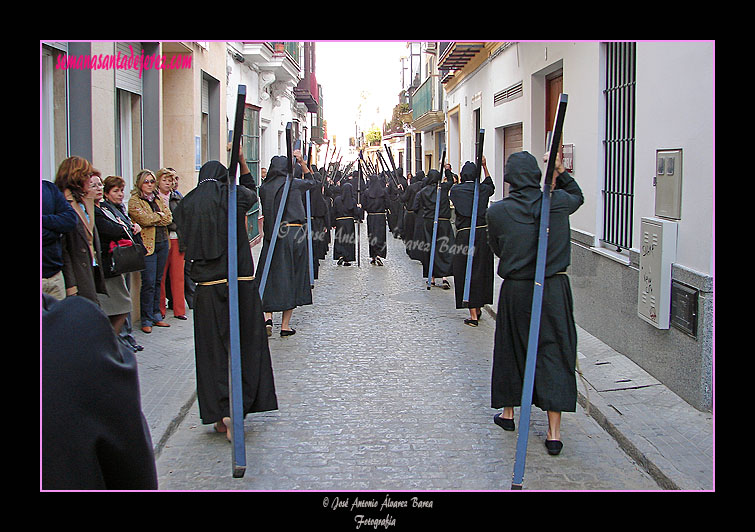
[[149, 181]]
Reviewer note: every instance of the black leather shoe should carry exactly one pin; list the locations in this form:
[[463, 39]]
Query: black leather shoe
[[471, 322], [554, 446], [287, 333], [505, 424]]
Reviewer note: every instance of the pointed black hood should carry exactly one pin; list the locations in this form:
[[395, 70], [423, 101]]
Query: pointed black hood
[[468, 172], [523, 176], [202, 214]]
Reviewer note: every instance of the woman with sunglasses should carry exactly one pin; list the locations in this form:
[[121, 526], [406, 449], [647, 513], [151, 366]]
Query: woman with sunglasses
[[147, 209]]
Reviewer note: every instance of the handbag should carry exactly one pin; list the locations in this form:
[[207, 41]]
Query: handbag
[[126, 256]]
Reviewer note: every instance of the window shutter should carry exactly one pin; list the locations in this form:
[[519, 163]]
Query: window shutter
[[128, 79], [205, 96]]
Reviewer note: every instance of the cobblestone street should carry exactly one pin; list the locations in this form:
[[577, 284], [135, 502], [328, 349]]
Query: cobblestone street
[[383, 387]]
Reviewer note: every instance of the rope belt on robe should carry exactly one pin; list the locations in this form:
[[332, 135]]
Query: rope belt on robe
[[220, 281], [477, 227]]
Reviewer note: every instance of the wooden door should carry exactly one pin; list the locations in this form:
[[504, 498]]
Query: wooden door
[[554, 86], [512, 143]]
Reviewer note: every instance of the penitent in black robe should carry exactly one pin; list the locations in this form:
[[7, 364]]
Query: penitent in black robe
[[375, 202], [513, 225], [395, 214], [93, 434], [288, 284], [481, 280], [344, 212], [444, 238], [320, 220], [407, 198], [202, 217]]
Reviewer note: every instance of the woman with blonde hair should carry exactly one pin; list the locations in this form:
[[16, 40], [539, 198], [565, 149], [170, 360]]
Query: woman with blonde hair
[[173, 275], [81, 247], [147, 209]]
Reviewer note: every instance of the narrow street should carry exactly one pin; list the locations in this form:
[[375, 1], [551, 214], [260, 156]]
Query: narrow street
[[383, 387]]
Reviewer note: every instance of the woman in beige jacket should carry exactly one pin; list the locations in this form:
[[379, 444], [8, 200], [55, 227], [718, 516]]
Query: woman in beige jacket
[[147, 209]]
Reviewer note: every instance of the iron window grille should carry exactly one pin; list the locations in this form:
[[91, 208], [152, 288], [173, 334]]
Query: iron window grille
[[619, 144]]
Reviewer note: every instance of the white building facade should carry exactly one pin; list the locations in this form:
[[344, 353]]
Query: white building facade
[[639, 133], [272, 72]]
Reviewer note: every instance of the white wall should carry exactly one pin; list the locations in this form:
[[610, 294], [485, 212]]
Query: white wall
[[273, 118], [675, 109], [675, 96]]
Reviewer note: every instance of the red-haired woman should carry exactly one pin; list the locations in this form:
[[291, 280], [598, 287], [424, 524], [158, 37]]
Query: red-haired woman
[[81, 247]]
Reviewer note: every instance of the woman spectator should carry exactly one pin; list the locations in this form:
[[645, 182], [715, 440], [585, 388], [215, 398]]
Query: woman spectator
[[81, 247], [147, 209], [113, 194], [117, 302], [189, 285], [174, 267]]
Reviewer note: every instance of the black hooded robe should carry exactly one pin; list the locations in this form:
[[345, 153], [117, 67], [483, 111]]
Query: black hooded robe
[[203, 218], [287, 284], [375, 202], [513, 225], [399, 203], [94, 435], [395, 215], [410, 216], [319, 220], [344, 212], [481, 280], [444, 239]]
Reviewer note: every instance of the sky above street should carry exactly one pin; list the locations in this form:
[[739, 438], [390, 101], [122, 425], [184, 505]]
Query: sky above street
[[354, 74]]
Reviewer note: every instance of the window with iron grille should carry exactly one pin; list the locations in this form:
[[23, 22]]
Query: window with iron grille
[[250, 139], [619, 144], [409, 154], [418, 151]]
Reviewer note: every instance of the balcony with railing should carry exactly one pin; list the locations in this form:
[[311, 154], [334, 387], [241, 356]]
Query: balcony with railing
[[426, 106], [287, 48], [457, 54], [281, 58], [306, 91], [318, 124]]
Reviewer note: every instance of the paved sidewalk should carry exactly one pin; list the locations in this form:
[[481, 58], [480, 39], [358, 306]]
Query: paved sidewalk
[[671, 441], [668, 437]]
